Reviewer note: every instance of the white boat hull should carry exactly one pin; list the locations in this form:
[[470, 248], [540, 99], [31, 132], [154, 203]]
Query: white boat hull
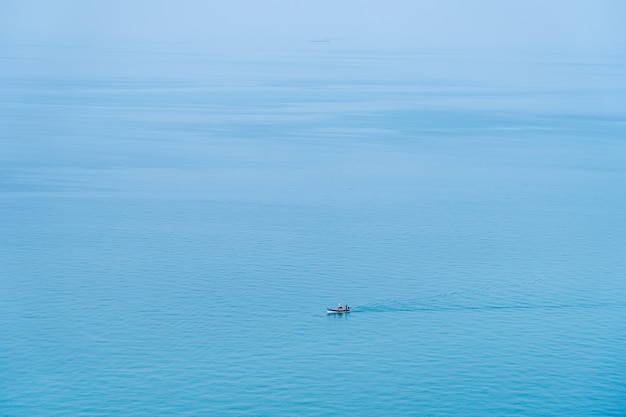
[[333, 311]]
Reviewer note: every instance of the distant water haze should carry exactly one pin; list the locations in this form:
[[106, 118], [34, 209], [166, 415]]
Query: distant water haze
[[370, 24]]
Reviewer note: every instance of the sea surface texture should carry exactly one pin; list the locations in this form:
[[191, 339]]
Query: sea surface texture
[[175, 223]]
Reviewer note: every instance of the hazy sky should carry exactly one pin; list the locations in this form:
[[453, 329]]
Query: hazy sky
[[413, 23]]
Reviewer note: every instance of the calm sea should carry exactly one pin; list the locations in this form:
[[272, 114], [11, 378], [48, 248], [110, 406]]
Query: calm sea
[[174, 223]]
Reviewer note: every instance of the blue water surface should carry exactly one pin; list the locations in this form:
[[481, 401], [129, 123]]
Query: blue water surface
[[174, 225]]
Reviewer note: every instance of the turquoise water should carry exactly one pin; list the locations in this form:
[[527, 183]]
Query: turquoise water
[[175, 224]]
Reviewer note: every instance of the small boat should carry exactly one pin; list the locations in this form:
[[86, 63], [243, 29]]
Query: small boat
[[338, 310]]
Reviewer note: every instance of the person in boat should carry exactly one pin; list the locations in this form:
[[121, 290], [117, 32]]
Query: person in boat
[[339, 307]]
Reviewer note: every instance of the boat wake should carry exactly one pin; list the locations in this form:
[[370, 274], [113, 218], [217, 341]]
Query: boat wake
[[395, 307], [485, 298]]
